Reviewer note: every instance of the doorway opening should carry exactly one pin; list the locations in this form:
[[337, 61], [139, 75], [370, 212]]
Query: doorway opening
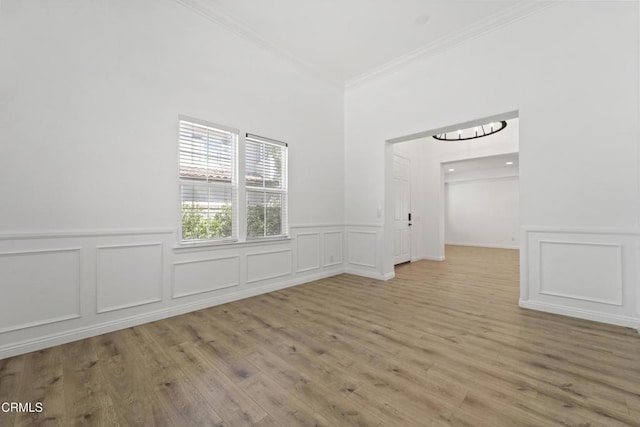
[[438, 200], [481, 199]]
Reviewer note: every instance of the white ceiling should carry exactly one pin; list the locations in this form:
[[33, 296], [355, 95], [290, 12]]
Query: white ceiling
[[345, 40]]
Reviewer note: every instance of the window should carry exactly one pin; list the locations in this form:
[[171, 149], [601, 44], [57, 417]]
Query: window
[[266, 187], [208, 181]]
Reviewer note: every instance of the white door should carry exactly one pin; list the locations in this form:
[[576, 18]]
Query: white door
[[401, 218]]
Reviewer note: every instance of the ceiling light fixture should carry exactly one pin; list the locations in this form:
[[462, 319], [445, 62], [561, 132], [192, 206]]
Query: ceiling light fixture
[[508, 163], [422, 19], [451, 169], [472, 133]]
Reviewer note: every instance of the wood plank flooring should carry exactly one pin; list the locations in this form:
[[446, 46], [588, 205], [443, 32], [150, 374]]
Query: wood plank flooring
[[442, 344]]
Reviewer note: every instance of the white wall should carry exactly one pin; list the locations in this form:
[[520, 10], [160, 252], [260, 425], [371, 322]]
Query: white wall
[[92, 90], [571, 71], [90, 94], [483, 213]]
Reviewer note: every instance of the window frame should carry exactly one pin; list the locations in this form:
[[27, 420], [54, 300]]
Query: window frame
[[283, 191], [235, 178]]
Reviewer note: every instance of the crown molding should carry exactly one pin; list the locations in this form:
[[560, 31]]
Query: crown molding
[[504, 18], [204, 8]]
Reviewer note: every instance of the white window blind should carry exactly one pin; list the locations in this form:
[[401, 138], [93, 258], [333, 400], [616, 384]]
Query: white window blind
[[208, 180], [266, 187]]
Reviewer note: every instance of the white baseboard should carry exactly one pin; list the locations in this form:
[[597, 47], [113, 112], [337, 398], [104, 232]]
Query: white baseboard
[[483, 245], [433, 258], [613, 319], [370, 274], [40, 343]]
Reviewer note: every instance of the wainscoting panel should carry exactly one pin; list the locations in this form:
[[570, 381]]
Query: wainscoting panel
[[40, 287], [205, 275], [332, 248], [362, 248], [583, 271], [308, 251], [62, 286], [591, 274], [128, 276], [268, 265]]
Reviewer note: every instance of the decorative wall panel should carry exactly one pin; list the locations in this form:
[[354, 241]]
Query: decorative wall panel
[[128, 276], [205, 275]]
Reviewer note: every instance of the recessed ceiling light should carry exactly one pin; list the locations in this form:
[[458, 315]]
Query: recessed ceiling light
[[451, 169], [422, 19], [508, 163]]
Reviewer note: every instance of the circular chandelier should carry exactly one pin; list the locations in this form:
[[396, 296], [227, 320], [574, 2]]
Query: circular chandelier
[[472, 133]]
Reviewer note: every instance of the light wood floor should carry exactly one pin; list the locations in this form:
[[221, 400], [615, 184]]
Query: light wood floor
[[443, 344]]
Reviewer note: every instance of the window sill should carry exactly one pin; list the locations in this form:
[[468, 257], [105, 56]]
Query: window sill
[[203, 246]]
